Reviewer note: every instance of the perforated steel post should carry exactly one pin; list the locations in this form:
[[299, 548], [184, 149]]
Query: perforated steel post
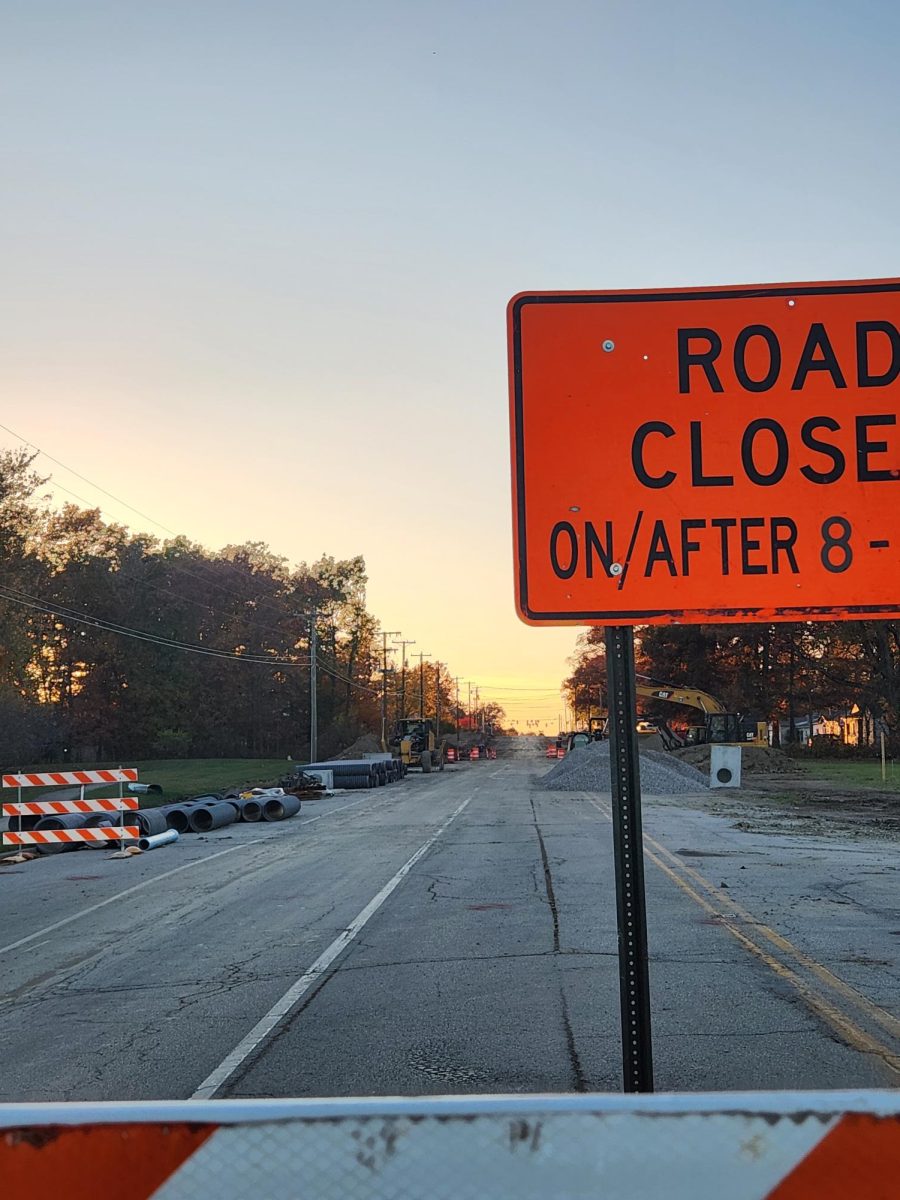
[[634, 978]]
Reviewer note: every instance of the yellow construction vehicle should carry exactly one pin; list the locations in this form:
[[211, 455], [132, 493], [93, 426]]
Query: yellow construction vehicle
[[414, 742], [719, 725]]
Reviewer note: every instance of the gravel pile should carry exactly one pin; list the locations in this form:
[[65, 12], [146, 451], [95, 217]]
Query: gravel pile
[[587, 769]]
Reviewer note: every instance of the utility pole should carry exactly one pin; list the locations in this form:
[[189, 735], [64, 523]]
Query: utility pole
[[422, 657], [313, 694], [456, 715], [437, 701], [404, 642], [469, 705], [385, 634]]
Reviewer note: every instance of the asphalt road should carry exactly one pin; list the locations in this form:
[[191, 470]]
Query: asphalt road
[[454, 933]]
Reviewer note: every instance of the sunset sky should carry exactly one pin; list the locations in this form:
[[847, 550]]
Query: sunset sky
[[257, 254]]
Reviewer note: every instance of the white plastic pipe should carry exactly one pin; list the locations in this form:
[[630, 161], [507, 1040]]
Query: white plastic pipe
[[155, 840]]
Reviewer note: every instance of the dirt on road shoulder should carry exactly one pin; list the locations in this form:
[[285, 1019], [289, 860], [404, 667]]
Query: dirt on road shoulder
[[803, 804]]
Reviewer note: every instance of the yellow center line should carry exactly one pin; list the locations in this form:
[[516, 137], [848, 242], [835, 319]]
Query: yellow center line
[[851, 1033], [877, 1014]]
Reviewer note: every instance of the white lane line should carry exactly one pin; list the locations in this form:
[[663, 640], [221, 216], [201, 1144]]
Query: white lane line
[[196, 862], [353, 804], [282, 1007], [85, 912]]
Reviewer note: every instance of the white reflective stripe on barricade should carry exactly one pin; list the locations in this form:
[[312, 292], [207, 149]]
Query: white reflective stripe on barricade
[[51, 778], [780, 1146], [46, 837], [50, 807]]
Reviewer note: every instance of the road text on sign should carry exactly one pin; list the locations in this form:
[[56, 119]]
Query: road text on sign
[[724, 454]]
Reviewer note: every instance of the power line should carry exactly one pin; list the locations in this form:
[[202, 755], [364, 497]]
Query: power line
[[346, 679], [524, 699], [501, 687], [66, 613], [63, 612], [139, 512]]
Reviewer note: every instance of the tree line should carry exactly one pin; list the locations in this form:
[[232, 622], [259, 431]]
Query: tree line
[[116, 644]]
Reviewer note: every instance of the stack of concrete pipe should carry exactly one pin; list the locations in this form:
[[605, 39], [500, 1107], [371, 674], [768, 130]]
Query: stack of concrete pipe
[[206, 813]]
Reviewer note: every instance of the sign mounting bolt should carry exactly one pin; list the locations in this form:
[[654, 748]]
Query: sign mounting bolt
[[609, 345], [615, 568]]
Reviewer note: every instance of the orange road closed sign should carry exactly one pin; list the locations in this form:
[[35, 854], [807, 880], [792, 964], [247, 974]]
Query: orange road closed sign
[[706, 455]]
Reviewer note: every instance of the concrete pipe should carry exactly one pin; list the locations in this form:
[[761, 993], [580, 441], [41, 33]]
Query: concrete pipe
[[96, 820], [155, 840], [63, 821], [150, 821], [239, 804], [205, 817], [178, 817], [252, 810], [279, 808], [23, 823]]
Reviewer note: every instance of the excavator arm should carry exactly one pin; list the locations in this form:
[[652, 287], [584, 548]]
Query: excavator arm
[[692, 697]]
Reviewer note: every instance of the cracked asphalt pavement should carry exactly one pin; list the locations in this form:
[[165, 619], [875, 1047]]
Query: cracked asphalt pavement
[[490, 967]]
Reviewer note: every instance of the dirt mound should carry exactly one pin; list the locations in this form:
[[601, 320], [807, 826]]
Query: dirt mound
[[368, 743], [755, 760]]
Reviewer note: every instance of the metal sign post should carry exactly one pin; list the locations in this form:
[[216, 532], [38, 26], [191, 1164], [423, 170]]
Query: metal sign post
[[631, 908]]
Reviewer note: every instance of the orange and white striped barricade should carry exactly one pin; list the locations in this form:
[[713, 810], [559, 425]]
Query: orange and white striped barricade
[[751, 1146], [451, 754], [48, 806]]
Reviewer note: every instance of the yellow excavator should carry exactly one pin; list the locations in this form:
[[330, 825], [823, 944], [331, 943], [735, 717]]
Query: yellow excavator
[[719, 726]]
